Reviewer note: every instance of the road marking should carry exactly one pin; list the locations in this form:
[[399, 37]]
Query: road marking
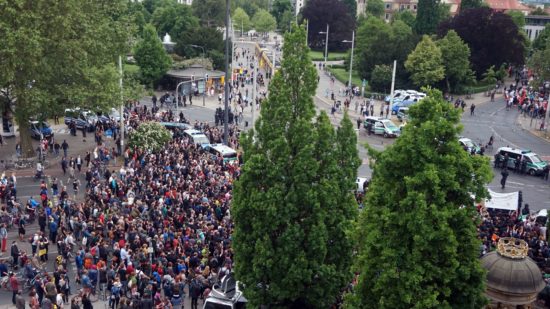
[[516, 183]]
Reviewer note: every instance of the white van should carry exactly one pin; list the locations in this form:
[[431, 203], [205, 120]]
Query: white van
[[229, 154], [197, 137]]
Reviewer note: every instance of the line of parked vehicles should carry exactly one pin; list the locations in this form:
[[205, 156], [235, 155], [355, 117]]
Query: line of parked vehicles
[[404, 98], [178, 129]]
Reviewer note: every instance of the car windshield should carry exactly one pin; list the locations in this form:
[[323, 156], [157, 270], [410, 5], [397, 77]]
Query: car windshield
[[44, 124], [468, 143], [535, 158], [390, 125]]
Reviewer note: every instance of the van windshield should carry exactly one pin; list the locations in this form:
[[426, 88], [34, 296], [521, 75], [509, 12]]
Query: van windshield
[[200, 139], [535, 158], [390, 125]]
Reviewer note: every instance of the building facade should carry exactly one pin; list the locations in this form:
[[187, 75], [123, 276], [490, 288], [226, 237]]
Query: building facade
[[534, 25]]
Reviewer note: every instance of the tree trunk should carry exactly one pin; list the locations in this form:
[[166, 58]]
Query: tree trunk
[[25, 138], [22, 118]]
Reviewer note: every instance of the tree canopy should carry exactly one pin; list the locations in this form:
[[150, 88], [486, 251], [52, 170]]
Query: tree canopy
[[151, 136], [319, 13], [381, 43], [470, 4], [37, 56], [210, 12], [425, 63], [540, 41], [151, 56], [174, 19], [263, 21], [429, 14], [456, 60], [493, 37], [241, 20], [283, 13], [375, 8], [298, 176], [416, 233]]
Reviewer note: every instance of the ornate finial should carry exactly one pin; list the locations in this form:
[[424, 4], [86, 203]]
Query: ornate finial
[[513, 248]]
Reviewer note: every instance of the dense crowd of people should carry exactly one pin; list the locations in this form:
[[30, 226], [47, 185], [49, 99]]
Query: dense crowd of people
[[148, 234]]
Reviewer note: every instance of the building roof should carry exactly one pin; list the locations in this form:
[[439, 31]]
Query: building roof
[[195, 70], [507, 5], [512, 277]]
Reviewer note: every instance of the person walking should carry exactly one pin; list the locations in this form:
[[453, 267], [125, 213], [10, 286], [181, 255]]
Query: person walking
[[79, 163], [65, 147], [504, 174], [64, 165], [472, 109], [4, 236], [14, 285], [19, 300], [14, 252], [358, 123]]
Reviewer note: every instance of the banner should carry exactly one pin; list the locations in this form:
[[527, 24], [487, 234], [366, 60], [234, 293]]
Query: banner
[[507, 201]]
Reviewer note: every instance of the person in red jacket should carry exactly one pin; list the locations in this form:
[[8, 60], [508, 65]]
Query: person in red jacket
[[14, 285]]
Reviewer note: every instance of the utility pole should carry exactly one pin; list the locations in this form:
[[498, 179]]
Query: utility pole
[[392, 87], [121, 104], [226, 84]]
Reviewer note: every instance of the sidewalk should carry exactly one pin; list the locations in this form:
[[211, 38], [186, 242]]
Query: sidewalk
[[532, 125], [325, 83]]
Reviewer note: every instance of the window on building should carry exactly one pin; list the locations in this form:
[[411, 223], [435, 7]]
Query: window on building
[[388, 6], [414, 7], [408, 6]]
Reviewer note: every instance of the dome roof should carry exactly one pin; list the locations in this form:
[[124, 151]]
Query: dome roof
[[512, 277]]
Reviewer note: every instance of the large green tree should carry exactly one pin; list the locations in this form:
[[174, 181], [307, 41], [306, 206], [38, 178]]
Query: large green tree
[[298, 176], [174, 19], [425, 63], [263, 21], [251, 6], [540, 41], [418, 244], [381, 43], [241, 20], [53, 53], [151, 57], [352, 7], [492, 36], [375, 8], [278, 9], [540, 63], [335, 13], [429, 14], [456, 60], [210, 12]]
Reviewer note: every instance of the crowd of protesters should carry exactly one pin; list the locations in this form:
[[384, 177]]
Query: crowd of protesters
[[149, 233]]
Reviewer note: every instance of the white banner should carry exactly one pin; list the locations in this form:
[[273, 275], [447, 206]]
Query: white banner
[[508, 201]]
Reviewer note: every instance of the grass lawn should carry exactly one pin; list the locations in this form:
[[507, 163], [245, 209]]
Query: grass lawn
[[332, 56], [131, 68], [343, 76]]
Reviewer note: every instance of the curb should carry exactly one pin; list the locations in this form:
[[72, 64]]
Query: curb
[[532, 131]]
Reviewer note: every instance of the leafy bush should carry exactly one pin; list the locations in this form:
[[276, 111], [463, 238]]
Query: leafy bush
[[150, 136]]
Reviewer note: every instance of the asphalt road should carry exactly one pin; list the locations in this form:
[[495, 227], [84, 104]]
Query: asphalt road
[[492, 118]]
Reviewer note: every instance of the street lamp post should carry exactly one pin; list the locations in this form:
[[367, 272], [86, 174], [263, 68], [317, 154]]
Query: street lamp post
[[226, 83], [326, 44], [351, 59]]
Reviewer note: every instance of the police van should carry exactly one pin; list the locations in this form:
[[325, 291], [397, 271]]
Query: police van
[[197, 137], [220, 150], [534, 164]]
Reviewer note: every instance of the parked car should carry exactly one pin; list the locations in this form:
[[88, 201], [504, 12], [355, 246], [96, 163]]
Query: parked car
[[469, 145], [40, 129], [403, 113], [382, 126], [83, 119]]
